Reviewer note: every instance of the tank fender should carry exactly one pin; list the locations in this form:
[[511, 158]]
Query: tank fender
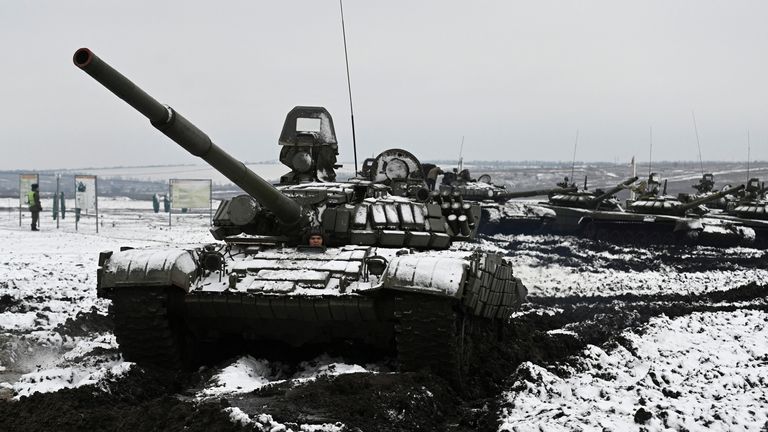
[[148, 267], [688, 225], [426, 274]]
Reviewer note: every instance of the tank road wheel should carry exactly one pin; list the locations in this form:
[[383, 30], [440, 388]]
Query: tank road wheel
[[149, 326], [690, 237], [432, 334]]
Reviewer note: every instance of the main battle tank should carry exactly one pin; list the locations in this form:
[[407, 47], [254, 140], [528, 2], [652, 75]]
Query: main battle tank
[[654, 218], [706, 187], [750, 210], [499, 214], [384, 276], [572, 209], [484, 189]]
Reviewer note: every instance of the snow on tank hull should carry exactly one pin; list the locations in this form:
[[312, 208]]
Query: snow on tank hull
[[754, 217], [166, 305], [514, 217]]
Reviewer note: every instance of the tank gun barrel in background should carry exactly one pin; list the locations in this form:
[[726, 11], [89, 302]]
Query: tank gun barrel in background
[[188, 136], [612, 191], [537, 192], [708, 198]]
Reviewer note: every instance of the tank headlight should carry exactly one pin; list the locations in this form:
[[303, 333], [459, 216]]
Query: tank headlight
[[376, 265]]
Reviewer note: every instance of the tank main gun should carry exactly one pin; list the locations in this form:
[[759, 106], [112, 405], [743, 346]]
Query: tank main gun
[[614, 190], [715, 196], [187, 135], [537, 192]]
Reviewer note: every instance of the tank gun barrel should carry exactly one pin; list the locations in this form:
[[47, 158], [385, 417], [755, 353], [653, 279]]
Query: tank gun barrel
[[188, 136], [610, 192], [537, 192], [687, 206]]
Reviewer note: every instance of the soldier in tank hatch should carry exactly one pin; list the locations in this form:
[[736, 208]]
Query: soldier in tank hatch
[[432, 177], [33, 201], [315, 238]]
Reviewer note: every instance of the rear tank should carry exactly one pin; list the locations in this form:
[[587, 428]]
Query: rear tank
[[502, 211], [310, 261], [749, 209], [706, 187], [653, 218]]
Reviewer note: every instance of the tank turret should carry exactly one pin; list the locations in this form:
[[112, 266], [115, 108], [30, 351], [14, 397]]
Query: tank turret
[[589, 199], [363, 212], [672, 206]]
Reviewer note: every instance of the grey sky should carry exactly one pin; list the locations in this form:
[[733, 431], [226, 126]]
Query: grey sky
[[517, 79]]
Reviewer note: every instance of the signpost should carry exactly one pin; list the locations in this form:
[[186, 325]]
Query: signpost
[[86, 197], [25, 185], [190, 194]]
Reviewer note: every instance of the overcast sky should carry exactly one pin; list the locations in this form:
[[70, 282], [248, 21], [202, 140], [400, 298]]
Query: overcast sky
[[516, 79]]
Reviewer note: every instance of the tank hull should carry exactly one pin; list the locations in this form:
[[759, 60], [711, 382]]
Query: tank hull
[[169, 311], [647, 229]]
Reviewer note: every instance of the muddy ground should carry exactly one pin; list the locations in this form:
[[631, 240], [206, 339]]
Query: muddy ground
[[152, 400]]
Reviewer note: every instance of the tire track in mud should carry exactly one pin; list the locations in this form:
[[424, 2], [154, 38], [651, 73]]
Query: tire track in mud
[[596, 320], [576, 252]]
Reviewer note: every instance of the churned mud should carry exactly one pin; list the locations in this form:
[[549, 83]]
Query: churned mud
[[550, 330]]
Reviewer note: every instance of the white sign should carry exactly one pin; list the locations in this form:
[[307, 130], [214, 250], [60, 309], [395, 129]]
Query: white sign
[[85, 192], [25, 185], [190, 194]]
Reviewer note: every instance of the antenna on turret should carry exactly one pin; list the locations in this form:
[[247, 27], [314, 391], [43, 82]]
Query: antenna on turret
[[749, 147], [633, 164], [573, 160], [696, 129], [461, 152], [650, 150], [349, 84]]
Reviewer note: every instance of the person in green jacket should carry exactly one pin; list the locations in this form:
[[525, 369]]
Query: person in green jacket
[[33, 201]]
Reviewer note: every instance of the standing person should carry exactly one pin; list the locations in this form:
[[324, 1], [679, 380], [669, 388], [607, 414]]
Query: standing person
[[432, 177], [33, 201]]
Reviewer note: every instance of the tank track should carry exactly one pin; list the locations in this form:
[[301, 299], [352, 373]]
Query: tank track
[[635, 234], [144, 327], [430, 334], [448, 335]]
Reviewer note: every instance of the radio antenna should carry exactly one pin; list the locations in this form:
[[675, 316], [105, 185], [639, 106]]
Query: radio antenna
[[650, 150], [349, 83], [573, 161], [749, 147], [461, 152], [696, 129]]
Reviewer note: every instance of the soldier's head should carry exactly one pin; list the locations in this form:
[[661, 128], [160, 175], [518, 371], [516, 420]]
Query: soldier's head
[[315, 238], [34, 186]]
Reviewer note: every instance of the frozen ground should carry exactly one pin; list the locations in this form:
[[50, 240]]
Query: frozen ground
[[614, 338]]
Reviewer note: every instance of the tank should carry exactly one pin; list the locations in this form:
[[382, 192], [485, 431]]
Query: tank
[[706, 187], [749, 208], [499, 214], [591, 200], [310, 261], [483, 188], [653, 218]]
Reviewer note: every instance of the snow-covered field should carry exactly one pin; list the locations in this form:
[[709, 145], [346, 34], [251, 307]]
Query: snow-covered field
[[701, 371]]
